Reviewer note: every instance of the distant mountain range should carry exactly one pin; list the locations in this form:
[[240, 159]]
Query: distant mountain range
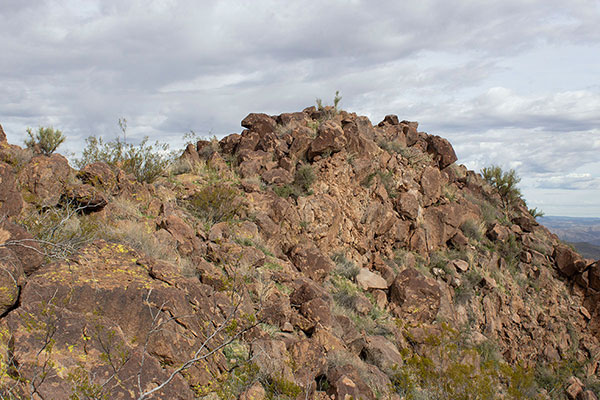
[[583, 233]]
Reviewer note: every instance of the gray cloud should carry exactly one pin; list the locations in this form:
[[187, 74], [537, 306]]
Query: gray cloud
[[169, 66]]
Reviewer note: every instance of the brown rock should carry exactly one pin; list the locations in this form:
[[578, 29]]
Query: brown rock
[[368, 280], [100, 175], [459, 265], [594, 275], [414, 296], [86, 197], [24, 247], [574, 388], [44, 178], [347, 384], [2, 135], [277, 176], [441, 150], [459, 240], [382, 353], [11, 275], [525, 222], [431, 184], [259, 123], [11, 201], [254, 392], [498, 232], [407, 204], [229, 143], [587, 395], [390, 120], [330, 139], [311, 262], [567, 260]]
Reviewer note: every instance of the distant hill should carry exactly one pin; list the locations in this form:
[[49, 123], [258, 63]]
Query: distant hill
[[573, 229], [587, 250]]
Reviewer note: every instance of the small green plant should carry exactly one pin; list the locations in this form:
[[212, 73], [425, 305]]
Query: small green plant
[[303, 180], [45, 140], [505, 183], [535, 213], [215, 203], [336, 102], [145, 162]]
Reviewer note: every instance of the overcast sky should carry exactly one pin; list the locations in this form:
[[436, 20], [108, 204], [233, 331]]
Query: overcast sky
[[511, 82]]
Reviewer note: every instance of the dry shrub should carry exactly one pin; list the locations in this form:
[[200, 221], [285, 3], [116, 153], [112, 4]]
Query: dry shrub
[[215, 203]]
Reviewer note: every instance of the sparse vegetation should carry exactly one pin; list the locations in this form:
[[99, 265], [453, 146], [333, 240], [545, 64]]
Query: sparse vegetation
[[505, 183], [215, 203], [45, 140], [303, 180]]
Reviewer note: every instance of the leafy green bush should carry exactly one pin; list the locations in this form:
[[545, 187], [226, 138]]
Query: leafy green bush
[[303, 180], [215, 203], [505, 183], [145, 161], [45, 140]]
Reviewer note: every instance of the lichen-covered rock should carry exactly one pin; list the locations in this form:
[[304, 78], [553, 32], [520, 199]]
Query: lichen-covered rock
[[415, 297], [44, 179], [11, 201]]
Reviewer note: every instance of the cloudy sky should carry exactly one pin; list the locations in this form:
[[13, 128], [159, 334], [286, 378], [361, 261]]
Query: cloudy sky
[[511, 82]]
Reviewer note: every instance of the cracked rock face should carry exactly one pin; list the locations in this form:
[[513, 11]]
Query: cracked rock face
[[343, 249]]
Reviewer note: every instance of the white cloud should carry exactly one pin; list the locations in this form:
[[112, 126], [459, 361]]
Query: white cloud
[[510, 82]]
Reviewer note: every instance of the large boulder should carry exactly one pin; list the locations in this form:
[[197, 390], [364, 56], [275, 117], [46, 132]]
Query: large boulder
[[330, 139], [568, 261], [311, 262], [44, 179], [109, 307], [100, 175], [11, 201], [415, 297], [23, 248], [259, 123], [441, 151]]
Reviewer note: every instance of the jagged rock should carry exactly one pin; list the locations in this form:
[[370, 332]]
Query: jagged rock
[[311, 262], [11, 201], [381, 352], [330, 139], [594, 275], [99, 175], [459, 265], [368, 280], [567, 260], [259, 123], [277, 176], [23, 246], [86, 197], [498, 232], [414, 296], [346, 383], [44, 178], [254, 392], [441, 150], [574, 388], [2, 135], [431, 184]]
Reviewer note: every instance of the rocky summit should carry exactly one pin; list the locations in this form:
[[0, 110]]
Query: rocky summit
[[314, 255]]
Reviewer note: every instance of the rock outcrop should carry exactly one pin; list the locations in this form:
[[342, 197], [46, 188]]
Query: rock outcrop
[[312, 255]]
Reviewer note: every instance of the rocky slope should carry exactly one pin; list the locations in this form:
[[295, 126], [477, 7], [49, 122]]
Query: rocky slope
[[313, 255]]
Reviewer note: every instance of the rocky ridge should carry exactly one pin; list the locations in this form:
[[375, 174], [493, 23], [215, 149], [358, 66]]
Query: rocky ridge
[[313, 255]]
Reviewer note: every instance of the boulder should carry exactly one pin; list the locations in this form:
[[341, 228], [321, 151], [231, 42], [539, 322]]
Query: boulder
[[567, 260], [431, 185], [311, 262], [415, 297], [368, 280], [100, 175], [441, 150], [346, 383], [259, 123], [594, 275], [2, 135], [11, 201], [44, 178], [277, 176], [330, 139], [23, 246], [498, 232], [407, 204], [86, 197], [382, 353]]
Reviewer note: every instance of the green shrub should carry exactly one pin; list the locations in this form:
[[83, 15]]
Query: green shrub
[[45, 140], [535, 213], [303, 180], [215, 203], [505, 183], [473, 230], [145, 162]]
